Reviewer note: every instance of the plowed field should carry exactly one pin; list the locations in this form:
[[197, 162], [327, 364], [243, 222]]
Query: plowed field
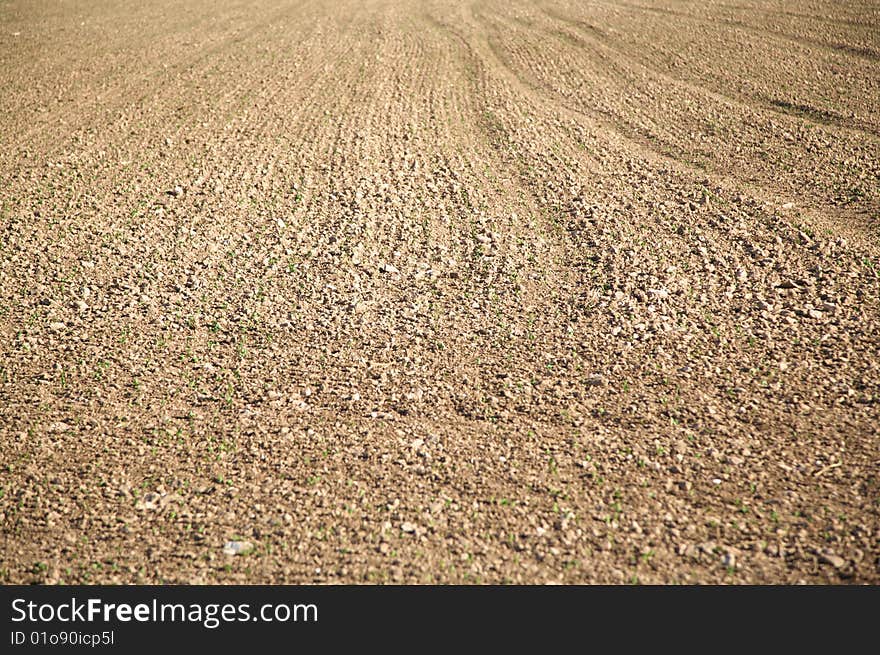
[[461, 291]]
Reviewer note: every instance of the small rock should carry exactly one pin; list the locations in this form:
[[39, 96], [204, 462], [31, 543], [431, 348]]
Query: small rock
[[407, 527], [594, 380], [658, 294], [827, 557], [81, 305], [238, 548], [56, 326], [390, 269], [150, 500]]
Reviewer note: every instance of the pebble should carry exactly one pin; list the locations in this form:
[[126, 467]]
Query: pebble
[[658, 294], [150, 500], [238, 548], [827, 557]]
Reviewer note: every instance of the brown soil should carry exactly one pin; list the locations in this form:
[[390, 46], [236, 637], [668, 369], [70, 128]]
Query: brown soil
[[444, 291]]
